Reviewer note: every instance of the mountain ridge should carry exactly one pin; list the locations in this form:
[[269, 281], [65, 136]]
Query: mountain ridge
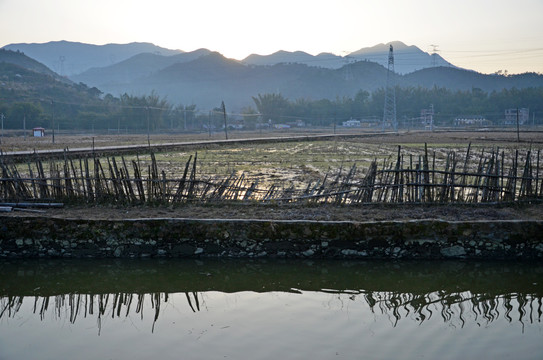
[[69, 58], [75, 58], [206, 78]]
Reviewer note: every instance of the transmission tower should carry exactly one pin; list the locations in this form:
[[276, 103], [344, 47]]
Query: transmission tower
[[389, 114], [62, 58], [434, 54]]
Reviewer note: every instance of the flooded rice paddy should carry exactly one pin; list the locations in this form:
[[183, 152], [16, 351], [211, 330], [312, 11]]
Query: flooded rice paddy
[[217, 309]]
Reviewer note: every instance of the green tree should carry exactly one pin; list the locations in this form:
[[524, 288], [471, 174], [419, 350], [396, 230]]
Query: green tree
[[140, 112], [271, 106], [250, 117]]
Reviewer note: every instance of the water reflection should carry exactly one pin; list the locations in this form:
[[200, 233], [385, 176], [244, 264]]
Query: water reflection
[[458, 292]]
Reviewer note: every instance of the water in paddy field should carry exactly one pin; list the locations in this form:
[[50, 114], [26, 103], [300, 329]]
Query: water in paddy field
[[270, 309]]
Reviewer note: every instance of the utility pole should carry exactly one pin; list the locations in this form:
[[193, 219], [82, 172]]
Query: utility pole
[[518, 128], [389, 113], [225, 125], [431, 117], [148, 139], [209, 123], [53, 119], [2, 117]]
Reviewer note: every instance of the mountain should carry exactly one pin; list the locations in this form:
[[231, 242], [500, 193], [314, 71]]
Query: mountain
[[206, 78], [461, 80], [137, 66], [69, 58], [326, 60], [73, 58], [24, 79], [21, 60], [210, 79], [31, 93], [407, 59]]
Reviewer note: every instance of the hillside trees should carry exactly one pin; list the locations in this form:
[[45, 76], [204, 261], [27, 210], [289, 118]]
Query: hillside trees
[[23, 114]]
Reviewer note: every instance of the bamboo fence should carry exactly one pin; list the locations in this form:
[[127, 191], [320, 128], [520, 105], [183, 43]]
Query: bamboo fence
[[492, 176]]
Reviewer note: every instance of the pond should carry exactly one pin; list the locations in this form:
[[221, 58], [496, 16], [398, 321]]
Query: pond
[[268, 309]]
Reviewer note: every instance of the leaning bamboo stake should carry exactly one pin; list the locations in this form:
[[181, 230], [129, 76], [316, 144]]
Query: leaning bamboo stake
[[426, 176], [192, 177], [83, 183], [44, 190], [452, 181], [88, 180], [138, 180], [537, 174], [33, 181], [461, 195], [126, 181], [105, 181], [502, 188], [181, 186], [114, 181]]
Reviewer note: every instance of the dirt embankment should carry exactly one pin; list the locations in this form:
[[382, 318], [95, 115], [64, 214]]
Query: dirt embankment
[[323, 212]]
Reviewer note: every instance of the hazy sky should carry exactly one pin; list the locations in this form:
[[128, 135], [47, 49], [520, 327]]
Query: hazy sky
[[483, 35]]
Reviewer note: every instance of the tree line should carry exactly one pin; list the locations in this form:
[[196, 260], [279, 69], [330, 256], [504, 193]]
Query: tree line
[[153, 112], [447, 105]]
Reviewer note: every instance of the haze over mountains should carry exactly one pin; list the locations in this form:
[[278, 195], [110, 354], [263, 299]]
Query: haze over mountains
[[206, 78], [69, 58], [73, 58]]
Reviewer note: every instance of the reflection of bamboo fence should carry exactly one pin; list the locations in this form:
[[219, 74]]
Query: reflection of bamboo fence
[[73, 306], [401, 180], [457, 308], [454, 307]]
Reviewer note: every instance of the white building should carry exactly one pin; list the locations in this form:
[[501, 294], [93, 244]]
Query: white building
[[471, 121], [38, 132], [511, 116], [351, 123]]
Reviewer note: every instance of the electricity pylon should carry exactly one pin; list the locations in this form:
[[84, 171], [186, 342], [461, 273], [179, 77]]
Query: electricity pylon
[[389, 114]]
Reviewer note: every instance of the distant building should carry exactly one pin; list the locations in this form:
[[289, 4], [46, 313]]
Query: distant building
[[351, 123], [511, 116], [300, 123], [296, 123], [38, 132], [475, 120]]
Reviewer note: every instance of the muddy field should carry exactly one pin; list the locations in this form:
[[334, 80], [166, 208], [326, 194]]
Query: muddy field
[[297, 164], [15, 141]]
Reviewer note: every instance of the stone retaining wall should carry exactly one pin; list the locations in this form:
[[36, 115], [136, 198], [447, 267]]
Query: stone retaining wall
[[421, 239]]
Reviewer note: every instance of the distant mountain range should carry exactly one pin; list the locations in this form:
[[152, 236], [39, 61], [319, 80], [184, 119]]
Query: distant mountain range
[[73, 58], [69, 58], [407, 59], [206, 78]]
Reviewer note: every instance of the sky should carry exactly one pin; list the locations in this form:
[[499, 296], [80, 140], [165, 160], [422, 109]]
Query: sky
[[482, 35]]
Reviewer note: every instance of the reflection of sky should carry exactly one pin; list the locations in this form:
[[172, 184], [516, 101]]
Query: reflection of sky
[[308, 324]]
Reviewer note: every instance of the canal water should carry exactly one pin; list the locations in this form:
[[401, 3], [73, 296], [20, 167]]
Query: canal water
[[248, 309]]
